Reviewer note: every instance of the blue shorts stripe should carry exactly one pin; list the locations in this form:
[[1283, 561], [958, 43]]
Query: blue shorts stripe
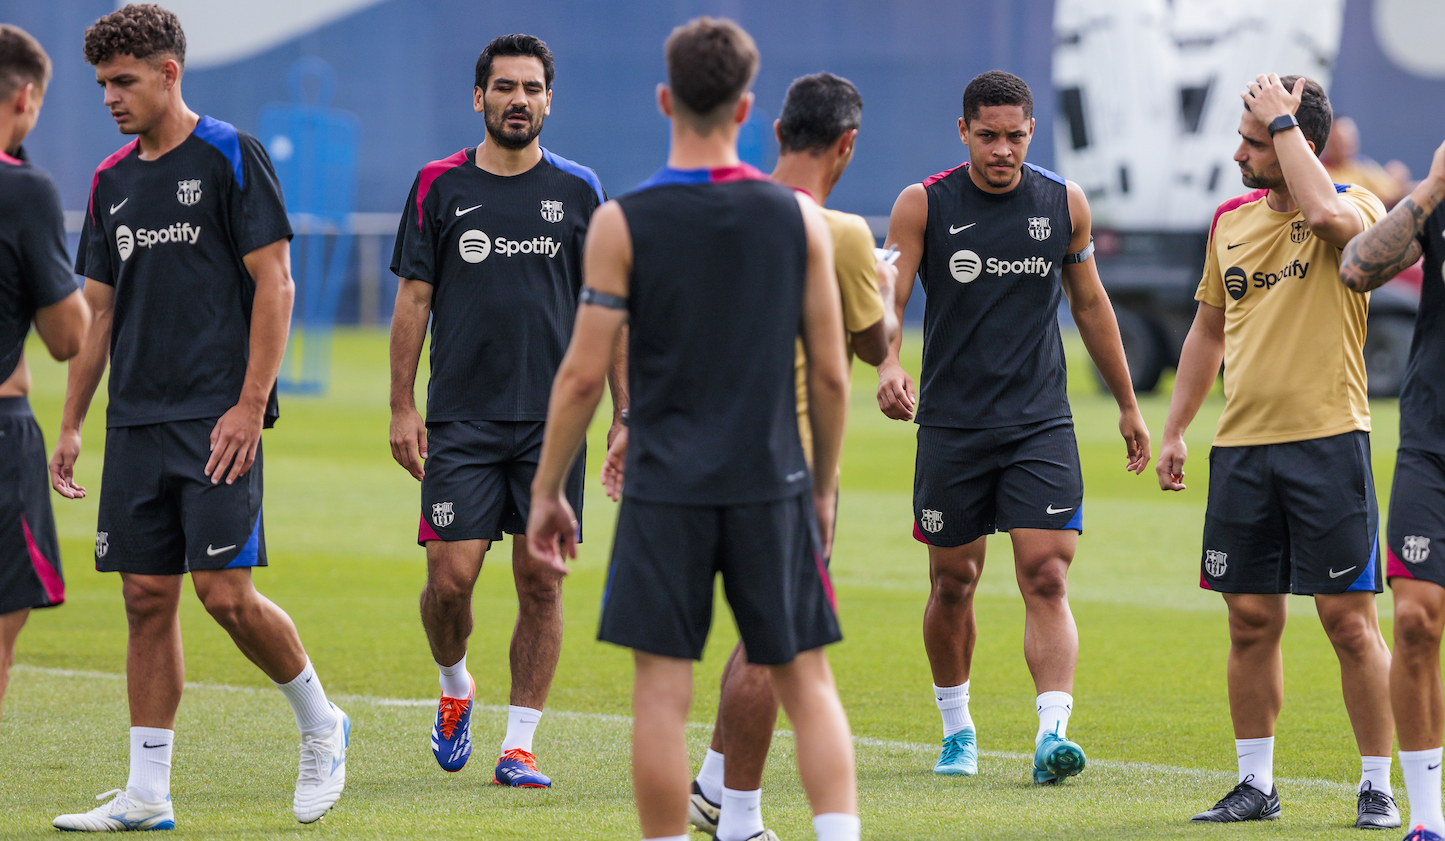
[[250, 554], [1076, 522], [1366, 581]]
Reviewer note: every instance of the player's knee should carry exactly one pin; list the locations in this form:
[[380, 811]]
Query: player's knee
[[1352, 633], [1415, 629], [1252, 627], [1050, 582], [226, 606], [448, 592], [143, 603], [537, 588], [955, 585]]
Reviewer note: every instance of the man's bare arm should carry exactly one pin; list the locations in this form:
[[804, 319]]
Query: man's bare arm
[[873, 343], [86, 369], [408, 333], [63, 324], [1198, 367], [897, 397], [1392, 245]]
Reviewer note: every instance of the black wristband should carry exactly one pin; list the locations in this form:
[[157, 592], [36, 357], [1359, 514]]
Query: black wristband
[[1282, 123], [1082, 254], [601, 299]]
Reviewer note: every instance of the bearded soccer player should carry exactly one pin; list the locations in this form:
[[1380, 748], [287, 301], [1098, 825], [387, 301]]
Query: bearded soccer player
[[998, 243], [490, 249], [817, 133], [35, 285], [185, 255], [714, 269], [1415, 545], [1291, 493]]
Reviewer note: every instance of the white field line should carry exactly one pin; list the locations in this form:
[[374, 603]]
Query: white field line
[[1146, 769]]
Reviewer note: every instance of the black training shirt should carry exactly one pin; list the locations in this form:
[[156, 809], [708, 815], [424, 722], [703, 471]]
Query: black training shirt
[[1422, 395], [169, 235], [34, 268], [504, 257]]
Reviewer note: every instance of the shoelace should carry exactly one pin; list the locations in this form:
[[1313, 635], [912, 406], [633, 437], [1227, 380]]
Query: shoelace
[[452, 710], [1375, 802], [313, 759], [121, 799], [1239, 792], [519, 755], [953, 749]]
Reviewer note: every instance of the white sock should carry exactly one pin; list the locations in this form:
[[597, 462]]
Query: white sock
[[953, 705], [1422, 784], [455, 681], [1054, 709], [742, 815], [1256, 762], [521, 726], [710, 776], [314, 714], [150, 763], [836, 826], [1375, 770]]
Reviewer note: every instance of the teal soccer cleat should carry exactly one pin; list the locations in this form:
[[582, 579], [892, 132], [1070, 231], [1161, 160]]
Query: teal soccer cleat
[[1056, 758], [959, 756]]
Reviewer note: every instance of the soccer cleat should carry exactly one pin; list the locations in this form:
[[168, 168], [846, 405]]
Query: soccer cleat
[[125, 813], [322, 774], [1244, 802], [1056, 758], [701, 812], [1376, 810], [959, 755], [765, 835], [1420, 833], [451, 734], [518, 768]]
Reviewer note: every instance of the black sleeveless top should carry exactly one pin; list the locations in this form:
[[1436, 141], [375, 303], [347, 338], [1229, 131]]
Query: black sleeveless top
[[991, 268], [1422, 395], [719, 259]]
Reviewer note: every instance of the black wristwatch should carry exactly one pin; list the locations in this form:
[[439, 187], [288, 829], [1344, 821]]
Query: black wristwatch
[[1281, 123], [622, 417]]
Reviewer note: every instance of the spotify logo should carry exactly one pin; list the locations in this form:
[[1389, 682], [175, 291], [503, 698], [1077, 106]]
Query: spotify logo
[[124, 242], [964, 265], [1236, 282], [474, 246]]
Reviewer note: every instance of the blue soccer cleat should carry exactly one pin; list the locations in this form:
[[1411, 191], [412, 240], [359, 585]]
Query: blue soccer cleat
[[451, 735], [959, 756], [1056, 758], [518, 768], [1420, 833]]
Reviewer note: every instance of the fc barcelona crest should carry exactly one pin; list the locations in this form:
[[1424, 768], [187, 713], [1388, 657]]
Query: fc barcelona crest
[[1039, 227], [1416, 548], [442, 515], [102, 544], [1215, 562], [1298, 231], [552, 210], [188, 192], [930, 520]]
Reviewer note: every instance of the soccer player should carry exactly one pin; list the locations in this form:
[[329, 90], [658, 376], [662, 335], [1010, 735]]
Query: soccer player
[[35, 285], [1291, 496], [185, 254], [715, 268], [998, 243], [817, 133], [490, 250], [1415, 544]]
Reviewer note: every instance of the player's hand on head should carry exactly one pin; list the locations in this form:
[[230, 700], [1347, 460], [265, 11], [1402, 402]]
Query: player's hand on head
[[1268, 98], [896, 396], [408, 441], [551, 531], [1136, 441], [62, 465], [1170, 468], [613, 465], [234, 441]]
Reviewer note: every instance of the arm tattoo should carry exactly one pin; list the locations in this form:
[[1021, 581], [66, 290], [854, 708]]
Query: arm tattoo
[[1385, 249]]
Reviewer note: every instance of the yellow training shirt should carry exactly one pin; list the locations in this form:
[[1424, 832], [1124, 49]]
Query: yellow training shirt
[[855, 266], [1294, 335]]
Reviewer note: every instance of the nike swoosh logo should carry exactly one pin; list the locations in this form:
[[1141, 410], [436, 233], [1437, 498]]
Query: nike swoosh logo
[[1433, 767], [1334, 574], [214, 552], [461, 212], [953, 230], [1052, 510], [149, 745], [115, 207], [1235, 245]]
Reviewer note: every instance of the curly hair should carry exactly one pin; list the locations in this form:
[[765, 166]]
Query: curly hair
[[142, 30], [996, 87], [22, 61]]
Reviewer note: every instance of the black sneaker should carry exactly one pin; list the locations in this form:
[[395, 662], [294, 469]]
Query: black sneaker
[[1243, 803], [1377, 810]]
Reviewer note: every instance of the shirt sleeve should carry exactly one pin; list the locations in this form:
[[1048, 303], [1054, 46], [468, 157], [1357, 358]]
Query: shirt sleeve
[[414, 256], [92, 256], [1366, 203], [46, 266], [1211, 286], [857, 272], [258, 210]]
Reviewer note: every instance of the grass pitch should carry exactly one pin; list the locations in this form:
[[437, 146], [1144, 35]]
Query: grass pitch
[[1150, 706]]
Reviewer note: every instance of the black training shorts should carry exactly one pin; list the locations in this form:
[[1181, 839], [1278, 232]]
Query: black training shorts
[[161, 515], [1298, 517], [478, 482], [968, 483], [30, 575], [659, 593], [1416, 535]]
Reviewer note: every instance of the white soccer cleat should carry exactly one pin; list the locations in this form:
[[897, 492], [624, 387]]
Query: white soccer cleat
[[323, 770], [125, 813]]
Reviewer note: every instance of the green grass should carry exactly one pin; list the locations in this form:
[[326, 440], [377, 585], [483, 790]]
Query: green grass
[[1150, 697]]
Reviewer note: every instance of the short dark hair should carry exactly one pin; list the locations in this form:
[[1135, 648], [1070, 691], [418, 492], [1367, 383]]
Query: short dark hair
[[22, 61], [515, 45], [1314, 113], [710, 64], [996, 87], [141, 30], [817, 110]]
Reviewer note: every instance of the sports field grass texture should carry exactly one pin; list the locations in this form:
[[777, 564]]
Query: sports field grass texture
[[1150, 705]]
